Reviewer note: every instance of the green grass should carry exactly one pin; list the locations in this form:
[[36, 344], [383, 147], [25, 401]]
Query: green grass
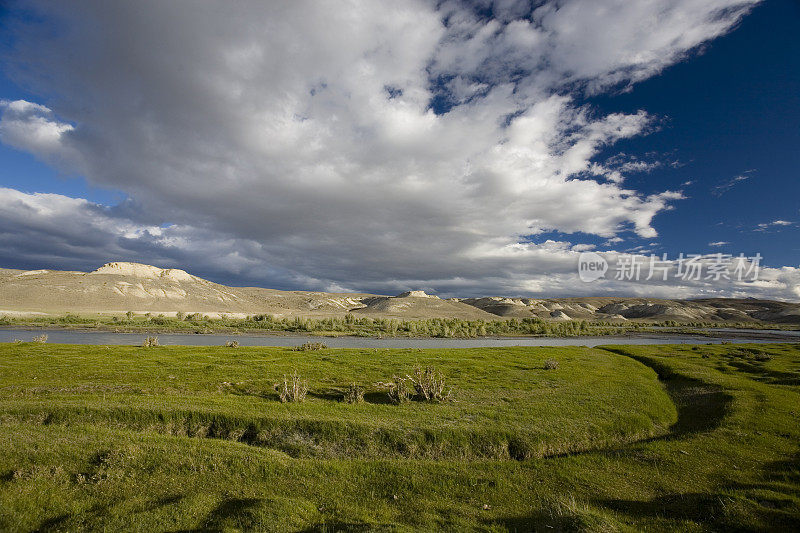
[[617, 438]]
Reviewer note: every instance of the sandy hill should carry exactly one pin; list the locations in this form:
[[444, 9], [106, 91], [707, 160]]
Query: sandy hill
[[119, 287], [653, 309]]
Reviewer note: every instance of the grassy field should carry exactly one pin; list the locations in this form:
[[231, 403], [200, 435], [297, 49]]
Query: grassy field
[[195, 438]]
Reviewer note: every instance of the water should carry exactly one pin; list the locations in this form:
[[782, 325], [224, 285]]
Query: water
[[787, 332], [174, 339]]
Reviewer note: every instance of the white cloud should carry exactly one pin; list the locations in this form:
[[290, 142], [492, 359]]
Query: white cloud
[[764, 226], [297, 143], [722, 188], [51, 229], [718, 243], [34, 128]]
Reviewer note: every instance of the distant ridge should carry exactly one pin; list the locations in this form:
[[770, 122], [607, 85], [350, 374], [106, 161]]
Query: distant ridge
[[118, 287], [139, 270]]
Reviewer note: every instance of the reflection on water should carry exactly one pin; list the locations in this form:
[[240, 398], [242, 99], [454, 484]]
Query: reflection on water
[[109, 338]]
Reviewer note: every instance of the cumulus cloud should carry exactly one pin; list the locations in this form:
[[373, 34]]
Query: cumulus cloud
[[49, 229], [369, 146], [34, 128]]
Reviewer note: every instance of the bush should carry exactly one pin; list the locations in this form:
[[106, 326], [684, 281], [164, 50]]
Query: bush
[[40, 338], [309, 346], [293, 389], [232, 344], [550, 364], [429, 384], [353, 394], [150, 342], [398, 389]]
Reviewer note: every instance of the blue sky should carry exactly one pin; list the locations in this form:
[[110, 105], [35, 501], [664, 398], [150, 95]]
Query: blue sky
[[266, 158], [731, 111]]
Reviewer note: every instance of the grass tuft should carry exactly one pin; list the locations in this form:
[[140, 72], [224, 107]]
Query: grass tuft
[[429, 384], [310, 347], [293, 389], [150, 342], [353, 394], [398, 389]]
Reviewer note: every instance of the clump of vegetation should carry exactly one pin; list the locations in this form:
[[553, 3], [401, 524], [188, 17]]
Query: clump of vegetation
[[232, 344], [429, 384], [366, 326], [398, 389], [353, 394], [40, 338], [550, 364], [293, 389], [150, 342], [309, 347], [426, 384]]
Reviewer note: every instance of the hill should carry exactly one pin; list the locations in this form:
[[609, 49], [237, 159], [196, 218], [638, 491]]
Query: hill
[[119, 287]]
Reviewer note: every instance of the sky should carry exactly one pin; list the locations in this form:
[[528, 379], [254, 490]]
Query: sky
[[464, 148]]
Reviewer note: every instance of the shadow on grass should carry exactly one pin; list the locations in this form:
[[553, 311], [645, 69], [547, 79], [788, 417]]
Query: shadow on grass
[[53, 524], [332, 395], [377, 397], [235, 511], [701, 406], [758, 372], [350, 527], [697, 507]]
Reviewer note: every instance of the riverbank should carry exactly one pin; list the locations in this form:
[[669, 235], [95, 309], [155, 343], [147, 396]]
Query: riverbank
[[350, 326]]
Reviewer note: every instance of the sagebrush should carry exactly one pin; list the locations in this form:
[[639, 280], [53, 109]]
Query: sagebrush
[[429, 384], [309, 346], [150, 342], [550, 364], [353, 394], [293, 389]]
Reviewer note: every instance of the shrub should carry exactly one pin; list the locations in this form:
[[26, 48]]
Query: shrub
[[150, 342], [180, 315], [293, 389], [129, 315], [429, 384], [550, 364], [232, 344], [309, 346], [398, 390], [40, 338], [353, 394]]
